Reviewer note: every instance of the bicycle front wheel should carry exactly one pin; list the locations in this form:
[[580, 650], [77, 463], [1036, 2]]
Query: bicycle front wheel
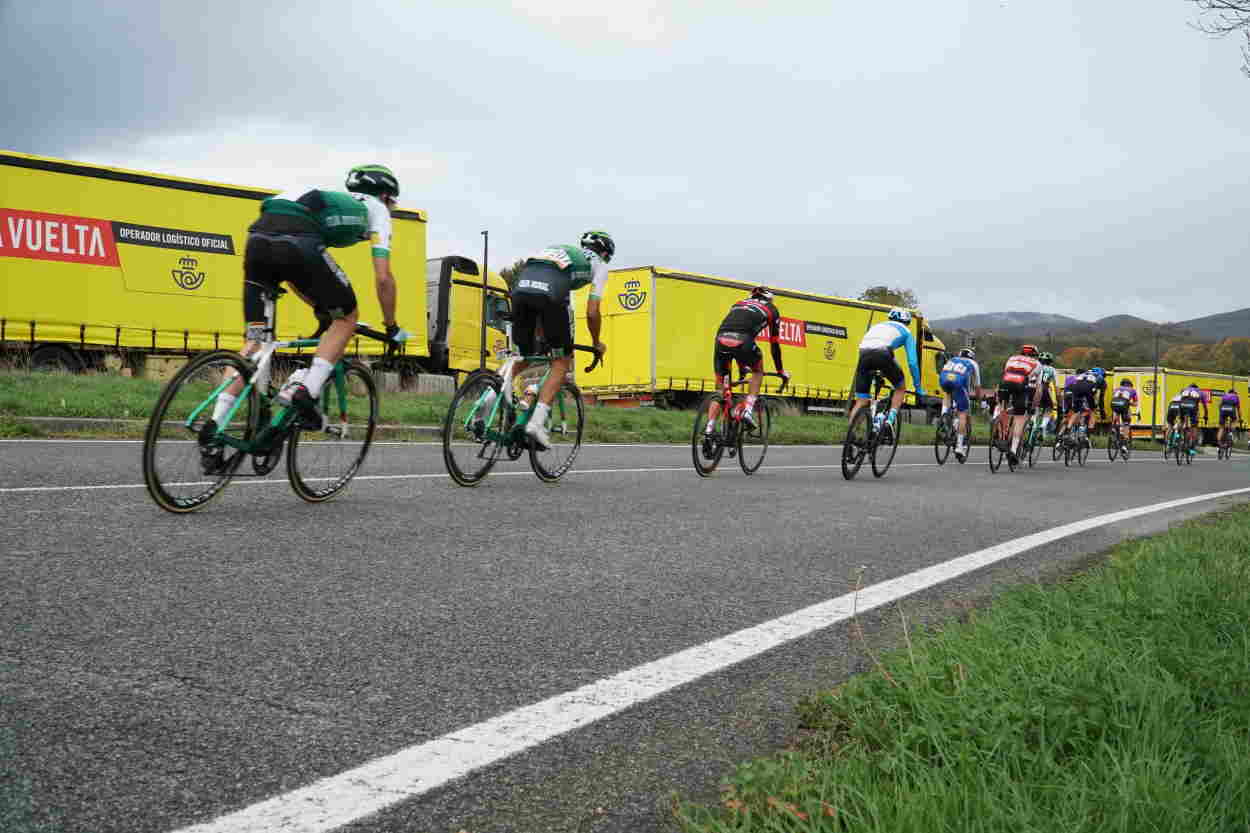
[[753, 442], [469, 453], [565, 423], [320, 464], [187, 458], [706, 448], [855, 448]]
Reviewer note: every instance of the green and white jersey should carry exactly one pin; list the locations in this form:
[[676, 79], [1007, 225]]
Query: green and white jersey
[[1048, 376], [563, 269], [342, 218]]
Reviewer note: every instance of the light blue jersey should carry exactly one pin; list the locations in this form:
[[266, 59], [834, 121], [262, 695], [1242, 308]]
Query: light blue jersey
[[890, 335]]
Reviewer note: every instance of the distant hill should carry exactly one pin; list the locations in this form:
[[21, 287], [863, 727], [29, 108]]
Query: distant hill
[[1210, 328]]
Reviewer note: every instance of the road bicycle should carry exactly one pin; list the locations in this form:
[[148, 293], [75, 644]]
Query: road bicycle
[[1228, 442], [485, 421], [729, 431], [1120, 443], [1033, 439], [1172, 442], [1000, 441], [1184, 444], [870, 433], [945, 437], [188, 458]]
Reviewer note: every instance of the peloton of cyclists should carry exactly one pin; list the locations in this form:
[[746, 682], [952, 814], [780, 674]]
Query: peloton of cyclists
[[960, 379]]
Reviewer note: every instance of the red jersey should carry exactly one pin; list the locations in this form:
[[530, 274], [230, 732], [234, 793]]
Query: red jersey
[[1022, 370]]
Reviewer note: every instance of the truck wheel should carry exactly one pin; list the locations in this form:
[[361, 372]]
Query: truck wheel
[[55, 358]]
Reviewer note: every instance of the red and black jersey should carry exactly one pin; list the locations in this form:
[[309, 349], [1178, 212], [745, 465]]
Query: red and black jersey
[[750, 316]]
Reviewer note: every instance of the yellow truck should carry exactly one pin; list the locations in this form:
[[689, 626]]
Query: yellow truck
[[659, 325], [102, 264]]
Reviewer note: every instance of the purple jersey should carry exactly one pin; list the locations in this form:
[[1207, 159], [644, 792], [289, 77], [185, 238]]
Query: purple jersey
[[1230, 400]]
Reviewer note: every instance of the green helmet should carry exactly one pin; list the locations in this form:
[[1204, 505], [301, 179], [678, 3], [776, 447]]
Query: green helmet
[[377, 180], [1046, 358], [600, 242]]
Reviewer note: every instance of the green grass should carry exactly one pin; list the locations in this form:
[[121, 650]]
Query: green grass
[[1118, 701]]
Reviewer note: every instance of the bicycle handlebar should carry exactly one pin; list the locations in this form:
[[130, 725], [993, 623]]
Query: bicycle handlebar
[[745, 379], [598, 356]]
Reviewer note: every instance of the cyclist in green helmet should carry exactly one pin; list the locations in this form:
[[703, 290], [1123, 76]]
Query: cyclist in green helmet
[[290, 242]]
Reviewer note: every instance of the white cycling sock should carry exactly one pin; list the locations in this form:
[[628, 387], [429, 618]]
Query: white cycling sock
[[711, 426], [224, 402], [317, 375], [959, 440]]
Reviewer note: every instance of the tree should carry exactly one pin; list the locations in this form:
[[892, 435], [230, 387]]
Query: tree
[[893, 297], [509, 273], [1224, 17], [1080, 357]]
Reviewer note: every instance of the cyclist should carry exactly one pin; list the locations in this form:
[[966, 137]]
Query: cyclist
[[1230, 412], [541, 297], [1174, 411], [1020, 390], [876, 353], [1050, 389], [960, 377], [735, 341], [1123, 399], [1191, 397], [1080, 386], [290, 242], [1098, 401]]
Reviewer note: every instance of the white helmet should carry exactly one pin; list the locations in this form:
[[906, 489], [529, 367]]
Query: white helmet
[[900, 315]]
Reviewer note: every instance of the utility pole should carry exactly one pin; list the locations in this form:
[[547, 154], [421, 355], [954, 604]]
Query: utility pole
[[1154, 408], [485, 274]]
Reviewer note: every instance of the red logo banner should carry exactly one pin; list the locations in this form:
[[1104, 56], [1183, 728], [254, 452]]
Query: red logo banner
[[40, 236]]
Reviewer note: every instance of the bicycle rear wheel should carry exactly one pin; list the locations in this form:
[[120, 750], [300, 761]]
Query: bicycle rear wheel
[[1082, 451], [320, 464], [1113, 445], [999, 445], [468, 453], [943, 439], [753, 443], [884, 449], [707, 449], [566, 421], [187, 461], [855, 448]]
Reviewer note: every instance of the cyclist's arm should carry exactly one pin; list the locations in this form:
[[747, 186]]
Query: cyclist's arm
[[913, 363], [774, 330], [380, 247], [594, 318]]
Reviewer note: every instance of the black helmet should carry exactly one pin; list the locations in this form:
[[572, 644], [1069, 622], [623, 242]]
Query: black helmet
[[763, 293], [599, 242], [968, 353], [377, 180]]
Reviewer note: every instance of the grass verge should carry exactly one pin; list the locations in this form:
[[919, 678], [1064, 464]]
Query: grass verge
[[1117, 701]]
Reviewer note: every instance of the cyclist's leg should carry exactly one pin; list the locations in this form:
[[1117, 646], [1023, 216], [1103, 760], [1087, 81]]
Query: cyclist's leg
[[318, 278], [722, 366], [862, 384]]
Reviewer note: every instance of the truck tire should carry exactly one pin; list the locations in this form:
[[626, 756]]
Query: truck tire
[[55, 358]]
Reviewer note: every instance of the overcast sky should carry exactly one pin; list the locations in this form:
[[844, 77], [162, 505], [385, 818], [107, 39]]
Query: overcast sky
[[1085, 158]]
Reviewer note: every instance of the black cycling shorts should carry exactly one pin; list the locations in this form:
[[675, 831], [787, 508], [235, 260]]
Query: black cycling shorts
[[301, 260], [1122, 411], [1189, 410], [1017, 396], [1082, 394], [1227, 414], [739, 347], [874, 360], [1174, 411], [531, 310]]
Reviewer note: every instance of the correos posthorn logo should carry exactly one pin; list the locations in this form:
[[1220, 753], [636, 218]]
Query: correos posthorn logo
[[185, 275], [634, 296]]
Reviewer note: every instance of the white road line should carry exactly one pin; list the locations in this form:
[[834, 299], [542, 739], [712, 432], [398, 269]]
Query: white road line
[[341, 799], [526, 473]]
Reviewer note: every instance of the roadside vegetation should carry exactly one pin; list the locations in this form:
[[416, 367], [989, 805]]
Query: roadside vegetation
[[102, 396], [1119, 700]]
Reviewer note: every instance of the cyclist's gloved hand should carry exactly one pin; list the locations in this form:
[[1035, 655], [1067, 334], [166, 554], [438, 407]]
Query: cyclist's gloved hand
[[785, 378], [397, 334]]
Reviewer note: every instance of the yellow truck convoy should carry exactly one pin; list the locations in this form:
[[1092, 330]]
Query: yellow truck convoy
[[659, 324], [103, 264]]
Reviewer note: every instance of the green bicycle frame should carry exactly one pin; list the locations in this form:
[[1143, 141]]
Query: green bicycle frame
[[513, 434]]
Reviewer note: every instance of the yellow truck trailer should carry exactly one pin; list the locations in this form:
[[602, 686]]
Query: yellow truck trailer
[[98, 261], [659, 326], [1156, 387], [454, 301]]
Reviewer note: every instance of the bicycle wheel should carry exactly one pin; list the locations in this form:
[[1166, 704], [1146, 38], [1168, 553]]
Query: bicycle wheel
[[1035, 448], [1126, 446], [855, 447], [565, 424], [706, 449], [1056, 448], [468, 453], [186, 462], [753, 443], [320, 464], [1113, 445], [884, 449], [998, 446], [1082, 451], [943, 439]]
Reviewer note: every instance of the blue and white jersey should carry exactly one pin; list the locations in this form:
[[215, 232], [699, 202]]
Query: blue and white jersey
[[961, 372], [890, 335]]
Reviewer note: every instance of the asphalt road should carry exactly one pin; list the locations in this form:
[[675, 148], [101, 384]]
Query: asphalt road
[[158, 671]]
